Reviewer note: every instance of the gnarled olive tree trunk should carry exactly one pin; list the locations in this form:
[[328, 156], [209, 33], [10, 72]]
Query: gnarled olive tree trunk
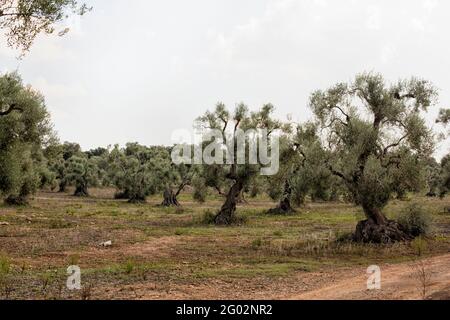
[[81, 191], [19, 200], [170, 198], [62, 186], [227, 212], [284, 206], [136, 199], [378, 229]]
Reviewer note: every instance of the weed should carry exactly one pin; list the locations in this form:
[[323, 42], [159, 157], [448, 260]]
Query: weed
[[86, 292], [415, 220], [130, 265], [278, 233], [419, 245], [207, 218], [73, 259], [5, 281]]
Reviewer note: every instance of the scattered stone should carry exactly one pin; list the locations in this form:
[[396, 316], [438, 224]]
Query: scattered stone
[[4, 223], [106, 244]]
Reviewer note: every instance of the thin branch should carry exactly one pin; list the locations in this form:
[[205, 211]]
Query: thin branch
[[338, 174], [11, 109], [347, 117], [394, 144]]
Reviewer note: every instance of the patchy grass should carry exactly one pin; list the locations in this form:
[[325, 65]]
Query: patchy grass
[[168, 246]]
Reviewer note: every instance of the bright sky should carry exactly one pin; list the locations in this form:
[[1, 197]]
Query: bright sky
[[138, 70]]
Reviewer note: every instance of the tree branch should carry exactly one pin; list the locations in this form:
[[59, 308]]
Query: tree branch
[[343, 112], [338, 174], [11, 109], [394, 144]]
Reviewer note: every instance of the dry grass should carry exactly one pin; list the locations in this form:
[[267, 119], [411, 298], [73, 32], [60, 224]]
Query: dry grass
[[172, 246]]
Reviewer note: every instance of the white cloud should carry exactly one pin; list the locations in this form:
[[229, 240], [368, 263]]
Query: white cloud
[[58, 91], [388, 53], [374, 18], [430, 5], [157, 61]]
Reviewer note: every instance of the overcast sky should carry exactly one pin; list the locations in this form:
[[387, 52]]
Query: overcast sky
[[138, 70]]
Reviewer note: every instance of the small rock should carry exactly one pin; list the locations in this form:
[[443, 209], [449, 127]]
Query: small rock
[[4, 223], [106, 244]]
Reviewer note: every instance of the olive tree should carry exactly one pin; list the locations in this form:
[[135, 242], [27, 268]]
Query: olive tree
[[206, 177], [24, 130], [444, 116], [371, 129], [444, 185], [83, 173], [58, 156], [131, 172], [175, 180], [100, 158], [230, 125], [138, 171], [24, 20], [301, 171]]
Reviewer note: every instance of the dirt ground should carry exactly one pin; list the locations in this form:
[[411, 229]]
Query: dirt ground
[[160, 253], [399, 282]]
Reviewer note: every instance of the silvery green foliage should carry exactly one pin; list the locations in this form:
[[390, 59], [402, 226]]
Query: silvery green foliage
[[302, 171], [444, 116], [444, 185], [24, 129], [415, 220], [58, 156], [138, 171], [83, 173], [24, 20], [238, 176], [376, 136], [132, 171]]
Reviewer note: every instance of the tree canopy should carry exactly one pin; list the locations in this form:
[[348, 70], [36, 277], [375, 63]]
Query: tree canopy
[[25, 129], [24, 20], [371, 130]]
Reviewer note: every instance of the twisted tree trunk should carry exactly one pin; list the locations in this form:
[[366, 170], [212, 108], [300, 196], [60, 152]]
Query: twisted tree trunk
[[62, 186], [19, 200], [285, 203], [136, 199], [227, 212], [378, 229], [81, 191], [170, 198]]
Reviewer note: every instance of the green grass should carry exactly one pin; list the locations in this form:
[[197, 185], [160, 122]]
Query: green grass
[[163, 245]]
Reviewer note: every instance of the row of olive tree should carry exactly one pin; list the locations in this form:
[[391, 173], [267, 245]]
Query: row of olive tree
[[368, 143], [368, 137]]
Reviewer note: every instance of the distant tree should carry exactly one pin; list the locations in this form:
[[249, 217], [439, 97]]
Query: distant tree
[[432, 176], [138, 171], [58, 156], [368, 125], [24, 130], [444, 116], [239, 175], [444, 186], [100, 156], [24, 20], [200, 189], [302, 171], [97, 152], [132, 172], [83, 173]]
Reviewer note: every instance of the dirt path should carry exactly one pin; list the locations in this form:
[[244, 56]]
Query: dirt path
[[397, 282]]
